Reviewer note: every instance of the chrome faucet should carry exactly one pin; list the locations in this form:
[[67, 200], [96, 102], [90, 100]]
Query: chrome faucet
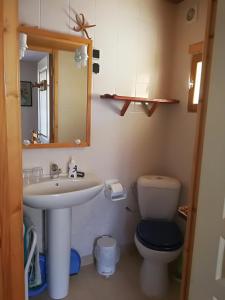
[[54, 170]]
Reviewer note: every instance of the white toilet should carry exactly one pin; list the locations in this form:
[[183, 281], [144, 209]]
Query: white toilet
[[158, 238]]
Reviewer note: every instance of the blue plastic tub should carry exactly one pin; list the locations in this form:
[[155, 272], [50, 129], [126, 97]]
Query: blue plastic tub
[[75, 263]]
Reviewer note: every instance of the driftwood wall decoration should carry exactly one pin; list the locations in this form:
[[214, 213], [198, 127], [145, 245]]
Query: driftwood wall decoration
[[81, 24]]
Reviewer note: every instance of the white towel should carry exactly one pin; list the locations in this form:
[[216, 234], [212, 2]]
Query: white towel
[[34, 274]]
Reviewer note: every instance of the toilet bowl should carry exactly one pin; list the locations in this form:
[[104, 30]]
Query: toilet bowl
[[154, 277], [157, 238]]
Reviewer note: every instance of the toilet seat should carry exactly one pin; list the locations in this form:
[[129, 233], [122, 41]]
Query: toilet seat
[[159, 235]]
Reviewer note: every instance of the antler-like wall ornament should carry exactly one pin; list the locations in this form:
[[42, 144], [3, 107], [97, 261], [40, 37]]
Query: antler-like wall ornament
[[82, 25]]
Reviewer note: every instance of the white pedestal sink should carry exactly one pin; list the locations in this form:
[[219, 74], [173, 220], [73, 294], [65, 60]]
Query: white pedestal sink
[[58, 196]]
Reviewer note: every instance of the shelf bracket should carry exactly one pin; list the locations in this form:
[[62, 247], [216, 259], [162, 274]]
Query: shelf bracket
[[124, 108], [150, 110]]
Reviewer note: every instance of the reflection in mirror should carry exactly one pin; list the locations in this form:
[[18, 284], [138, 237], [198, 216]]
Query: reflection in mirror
[[53, 97], [72, 95], [35, 102]]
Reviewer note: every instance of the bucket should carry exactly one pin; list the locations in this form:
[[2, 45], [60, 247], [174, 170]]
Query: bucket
[[75, 263]]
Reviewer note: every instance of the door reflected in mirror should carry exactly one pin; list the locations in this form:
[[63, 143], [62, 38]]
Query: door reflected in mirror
[[57, 102]]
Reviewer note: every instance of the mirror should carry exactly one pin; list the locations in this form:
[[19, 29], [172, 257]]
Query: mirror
[[55, 84]]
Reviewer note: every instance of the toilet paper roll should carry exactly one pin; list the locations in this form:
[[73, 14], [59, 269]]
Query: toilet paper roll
[[116, 189]]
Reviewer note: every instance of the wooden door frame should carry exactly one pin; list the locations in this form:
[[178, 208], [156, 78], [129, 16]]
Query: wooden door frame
[[11, 230], [198, 151]]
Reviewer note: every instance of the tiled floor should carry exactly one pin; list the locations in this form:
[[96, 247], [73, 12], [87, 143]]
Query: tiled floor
[[123, 285]]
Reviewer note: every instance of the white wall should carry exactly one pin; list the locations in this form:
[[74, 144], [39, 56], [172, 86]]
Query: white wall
[[29, 114], [135, 40], [181, 125]]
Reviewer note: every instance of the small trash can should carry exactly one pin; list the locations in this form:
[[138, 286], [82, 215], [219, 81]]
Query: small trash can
[[107, 255]]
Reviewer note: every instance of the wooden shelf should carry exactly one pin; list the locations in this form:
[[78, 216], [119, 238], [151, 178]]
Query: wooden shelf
[[145, 101]]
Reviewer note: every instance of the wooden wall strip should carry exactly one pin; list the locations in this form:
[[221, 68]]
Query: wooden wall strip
[[2, 150], [11, 235]]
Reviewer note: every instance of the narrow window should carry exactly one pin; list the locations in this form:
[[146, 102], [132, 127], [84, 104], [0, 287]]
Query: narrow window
[[195, 82], [195, 50]]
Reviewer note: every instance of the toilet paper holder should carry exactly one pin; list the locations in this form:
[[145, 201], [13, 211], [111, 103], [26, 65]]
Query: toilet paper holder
[[109, 191]]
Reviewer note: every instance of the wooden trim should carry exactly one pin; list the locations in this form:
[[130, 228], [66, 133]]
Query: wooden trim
[[195, 59], [54, 37], [191, 221], [196, 48], [11, 210], [41, 49], [56, 145], [3, 165]]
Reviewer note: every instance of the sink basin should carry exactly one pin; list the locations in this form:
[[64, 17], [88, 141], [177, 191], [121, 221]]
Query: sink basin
[[61, 192]]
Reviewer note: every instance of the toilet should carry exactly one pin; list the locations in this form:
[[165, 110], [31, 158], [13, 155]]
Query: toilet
[[157, 238]]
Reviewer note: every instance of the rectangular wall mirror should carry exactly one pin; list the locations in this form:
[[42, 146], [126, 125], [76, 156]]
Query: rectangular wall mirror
[[55, 85]]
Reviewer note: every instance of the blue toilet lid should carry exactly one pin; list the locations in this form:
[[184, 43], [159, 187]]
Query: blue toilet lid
[[159, 235]]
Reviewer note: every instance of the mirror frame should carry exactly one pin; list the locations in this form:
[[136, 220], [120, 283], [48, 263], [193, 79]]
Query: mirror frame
[[46, 40]]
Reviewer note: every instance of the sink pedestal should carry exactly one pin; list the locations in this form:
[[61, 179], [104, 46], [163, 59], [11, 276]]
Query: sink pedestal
[[58, 257]]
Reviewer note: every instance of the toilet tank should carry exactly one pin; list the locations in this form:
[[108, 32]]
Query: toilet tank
[[158, 196]]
